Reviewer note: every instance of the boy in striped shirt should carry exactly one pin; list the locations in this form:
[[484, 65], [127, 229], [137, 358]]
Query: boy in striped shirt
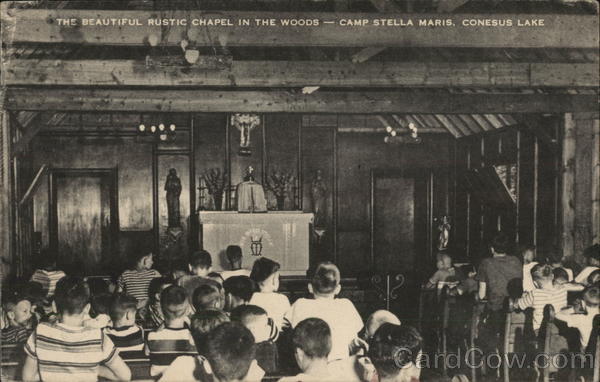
[[135, 282], [174, 338], [124, 333], [546, 292], [47, 275], [68, 351]]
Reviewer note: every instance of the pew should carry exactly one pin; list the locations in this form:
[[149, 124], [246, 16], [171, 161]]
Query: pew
[[12, 361], [476, 316], [517, 337]]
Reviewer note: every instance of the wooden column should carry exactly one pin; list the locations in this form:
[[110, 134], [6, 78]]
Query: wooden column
[[596, 183], [568, 186], [6, 247]]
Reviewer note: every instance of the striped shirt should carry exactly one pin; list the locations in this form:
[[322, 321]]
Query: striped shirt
[[48, 279], [165, 345], [15, 335], [539, 298], [136, 283], [68, 353], [129, 340]]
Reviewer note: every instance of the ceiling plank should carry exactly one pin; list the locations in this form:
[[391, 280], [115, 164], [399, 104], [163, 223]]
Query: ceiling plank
[[298, 74], [367, 102], [42, 26]]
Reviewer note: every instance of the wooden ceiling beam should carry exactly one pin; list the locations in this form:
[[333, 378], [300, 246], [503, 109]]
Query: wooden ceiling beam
[[21, 72], [352, 102], [42, 26]]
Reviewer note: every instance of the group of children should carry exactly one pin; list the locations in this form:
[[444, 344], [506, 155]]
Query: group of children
[[206, 326], [528, 284]]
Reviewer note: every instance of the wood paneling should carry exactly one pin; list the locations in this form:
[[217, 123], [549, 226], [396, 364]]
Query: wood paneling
[[210, 150]]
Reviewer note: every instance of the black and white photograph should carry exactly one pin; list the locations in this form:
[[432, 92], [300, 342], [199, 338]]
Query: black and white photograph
[[300, 190]]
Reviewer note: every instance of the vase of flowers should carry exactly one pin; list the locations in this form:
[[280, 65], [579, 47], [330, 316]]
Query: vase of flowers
[[279, 184], [215, 180]]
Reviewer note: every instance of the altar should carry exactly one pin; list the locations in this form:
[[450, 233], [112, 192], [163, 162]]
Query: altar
[[282, 236]]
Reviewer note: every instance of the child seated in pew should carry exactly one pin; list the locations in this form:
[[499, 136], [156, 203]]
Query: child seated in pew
[[265, 334], [234, 256], [124, 333], [312, 344], [395, 351], [200, 264], [354, 368], [54, 351], [135, 281], [445, 275], [154, 314], [47, 274], [339, 313], [208, 297], [202, 323], [592, 255], [528, 257], [583, 321], [173, 338], [98, 316], [238, 291], [545, 293], [467, 286], [265, 273], [18, 315]]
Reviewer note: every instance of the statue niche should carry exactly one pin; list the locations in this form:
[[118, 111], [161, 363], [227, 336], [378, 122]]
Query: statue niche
[[173, 189]]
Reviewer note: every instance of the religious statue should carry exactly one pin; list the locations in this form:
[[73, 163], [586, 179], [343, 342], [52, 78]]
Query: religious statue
[[173, 189], [444, 236], [319, 198], [250, 195]]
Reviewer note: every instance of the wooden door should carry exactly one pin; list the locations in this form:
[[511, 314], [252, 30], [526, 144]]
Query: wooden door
[[84, 219], [399, 210]]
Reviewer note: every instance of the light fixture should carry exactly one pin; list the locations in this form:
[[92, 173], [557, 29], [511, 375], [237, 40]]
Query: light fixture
[[394, 136], [159, 130]]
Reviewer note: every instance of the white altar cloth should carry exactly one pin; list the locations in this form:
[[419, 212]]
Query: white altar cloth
[[282, 236]]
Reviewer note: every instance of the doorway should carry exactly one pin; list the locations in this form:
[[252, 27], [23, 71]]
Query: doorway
[[84, 221], [400, 206]]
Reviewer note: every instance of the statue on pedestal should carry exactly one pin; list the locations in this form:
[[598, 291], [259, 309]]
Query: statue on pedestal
[[318, 191], [173, 189], [250, 195]]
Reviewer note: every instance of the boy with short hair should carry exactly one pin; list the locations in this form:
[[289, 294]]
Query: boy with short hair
[[238, 291], [135, 281], [395, 350], [265, 334], [154, 315], [230, 353], [311, 340], [234, 256], [584, 321], [445, 273], [528, 255], [545, 293], [47, 274], [265, 273], [124, 333], [173, 339], [54, 351], [339, 313], [200, 264], [18, 314], [592, 254], [207, 297]]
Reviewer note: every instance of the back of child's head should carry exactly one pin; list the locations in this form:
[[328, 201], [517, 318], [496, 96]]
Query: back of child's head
[[500, 243], [200, 259], [542, 272], [326, 279], [207, 296], [594, 277], [241, 287], [527, 252], [553, 255], [230, 351], [157, 285], [393, 348], [46, 260], [263, 268], [100, 304], [121, 304], [591, 296], [592, 254], [246, 314], [560, 276], [202, 323], [216, 276], [33, 291], [173, 302], [234, 255], [313, 337], [179, 268], [71, 296]]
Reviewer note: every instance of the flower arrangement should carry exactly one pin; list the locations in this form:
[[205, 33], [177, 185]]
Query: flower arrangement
[[216, 180], [279, 183]]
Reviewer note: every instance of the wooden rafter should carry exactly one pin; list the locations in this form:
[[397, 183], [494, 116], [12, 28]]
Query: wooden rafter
[[41, 26], [41, 120], [299, 74]]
